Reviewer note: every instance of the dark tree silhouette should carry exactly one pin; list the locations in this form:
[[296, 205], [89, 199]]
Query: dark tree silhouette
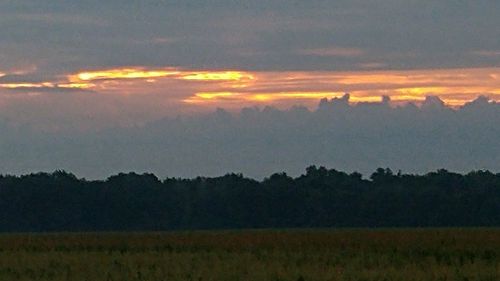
[[321, 197]]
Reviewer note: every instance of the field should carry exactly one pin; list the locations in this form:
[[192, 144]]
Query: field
[[291, 255]]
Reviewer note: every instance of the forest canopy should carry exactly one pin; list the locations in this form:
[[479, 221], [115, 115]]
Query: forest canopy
[[321, 197]]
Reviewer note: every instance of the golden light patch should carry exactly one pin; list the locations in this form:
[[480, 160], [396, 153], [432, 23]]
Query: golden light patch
[[215, 95], [259, 97], [372, 79], [235, 79], [126, 73], [443, 91], [359, 99], [217, 76], [207, 96], [27, 85], [75, 85], [46, 85], [421, 91]]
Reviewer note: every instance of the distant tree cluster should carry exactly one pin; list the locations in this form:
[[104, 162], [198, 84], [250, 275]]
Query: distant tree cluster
[[321, 197]]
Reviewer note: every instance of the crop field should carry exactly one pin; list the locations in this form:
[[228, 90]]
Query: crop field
[[277, 255]]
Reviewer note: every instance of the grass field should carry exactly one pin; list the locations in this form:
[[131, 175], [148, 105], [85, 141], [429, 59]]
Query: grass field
[[294, 255]]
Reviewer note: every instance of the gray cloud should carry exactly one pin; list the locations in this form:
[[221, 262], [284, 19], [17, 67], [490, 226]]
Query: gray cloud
[[62, 36], [260, 141]]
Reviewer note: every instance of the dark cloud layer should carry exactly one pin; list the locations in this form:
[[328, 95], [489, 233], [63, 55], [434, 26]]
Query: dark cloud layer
[[258, 142], [62, 36]]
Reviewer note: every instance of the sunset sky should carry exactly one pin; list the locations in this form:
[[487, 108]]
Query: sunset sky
[[170, 57], [93, 65]]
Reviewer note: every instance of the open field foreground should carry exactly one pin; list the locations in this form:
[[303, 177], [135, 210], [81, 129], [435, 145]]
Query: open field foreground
[[295, 255]]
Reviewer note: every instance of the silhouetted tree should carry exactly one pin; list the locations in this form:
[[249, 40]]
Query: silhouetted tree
[[321, 197]]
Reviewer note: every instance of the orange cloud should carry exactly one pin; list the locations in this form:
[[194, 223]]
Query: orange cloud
[[204, 97], [48, 85], [27, 85], [217, 76], [76, 85], [454, 86], [142, 73], [125, 73], [235, 88]]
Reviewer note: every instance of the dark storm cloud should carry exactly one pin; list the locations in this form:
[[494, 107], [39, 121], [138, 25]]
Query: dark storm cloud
[[60, 36]]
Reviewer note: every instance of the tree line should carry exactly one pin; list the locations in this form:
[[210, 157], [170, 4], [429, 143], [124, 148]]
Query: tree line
[[321, 197]]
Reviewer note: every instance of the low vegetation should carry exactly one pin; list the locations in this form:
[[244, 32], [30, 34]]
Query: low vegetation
[[294, 255]]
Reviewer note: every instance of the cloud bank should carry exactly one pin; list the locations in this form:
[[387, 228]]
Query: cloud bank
[[94, 99], [259, 141]]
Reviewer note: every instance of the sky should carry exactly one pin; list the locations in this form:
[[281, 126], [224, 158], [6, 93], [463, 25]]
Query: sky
[[78, 70]]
